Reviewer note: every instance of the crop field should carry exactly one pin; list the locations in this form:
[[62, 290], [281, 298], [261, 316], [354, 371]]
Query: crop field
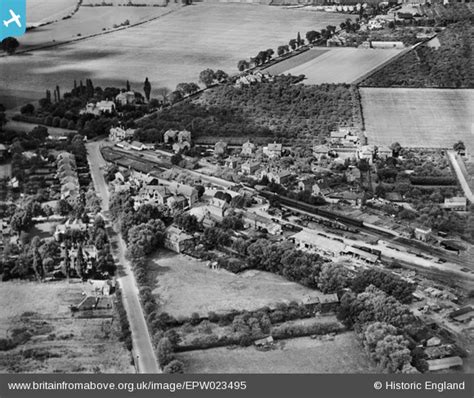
[[435, 118], [334, 65], [169, 50], [58, 342], [89, 21], [41, 11], [300, 355], [186, 285]]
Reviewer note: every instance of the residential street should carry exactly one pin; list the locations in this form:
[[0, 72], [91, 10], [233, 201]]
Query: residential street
[[142, 346]]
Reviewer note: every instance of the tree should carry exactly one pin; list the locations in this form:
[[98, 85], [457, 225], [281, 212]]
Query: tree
[[396, 148], [312, 36], [164, 352], [459, 146], [207, 77], [221, 76], [175, 366], [9, 45], [292, 43], [243, 65], [21, 220], [187, 222], [147, 89], [270, 53], [175, 96], [333, 278], [299, 40], [63, 208], [27, 109]]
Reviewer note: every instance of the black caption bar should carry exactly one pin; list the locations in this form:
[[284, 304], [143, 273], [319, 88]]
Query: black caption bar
[[274, 386]]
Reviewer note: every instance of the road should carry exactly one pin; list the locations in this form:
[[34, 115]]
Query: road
[[142, 346], [459, 174]]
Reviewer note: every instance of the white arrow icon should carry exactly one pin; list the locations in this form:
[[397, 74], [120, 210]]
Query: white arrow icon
[[15, 18]]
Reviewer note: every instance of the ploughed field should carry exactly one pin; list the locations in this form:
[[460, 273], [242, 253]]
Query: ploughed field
[[168, 50], [334, 65], [435, 118]]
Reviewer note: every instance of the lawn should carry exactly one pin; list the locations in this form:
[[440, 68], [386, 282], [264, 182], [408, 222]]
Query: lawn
[[335, 65], [300, 355], [186, 285], [60, 342], [435, 118], [169, 50]]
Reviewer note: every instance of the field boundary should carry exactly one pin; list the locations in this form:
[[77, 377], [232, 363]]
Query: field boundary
[[53, 45], [360, 80]]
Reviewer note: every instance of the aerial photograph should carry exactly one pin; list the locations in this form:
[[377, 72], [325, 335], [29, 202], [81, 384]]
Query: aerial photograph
[[237, 187]]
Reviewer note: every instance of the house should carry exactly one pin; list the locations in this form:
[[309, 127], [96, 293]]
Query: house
[[231, 162], [220, 204], [249, 168], [278, 176], [177, 240], [273, 150], [309, 184], [422, 234], [259, 223], [177, 202], [89, 254], [384, 152], [457, 203], [220, 148], [69, 226], [125, 98], [140, 146], [118, 134], [444, 363], [248, 149], [98, 108], [187, 191], [366, 152], [151, 194], [176, 136], [320, 151], [352, 174], [181, 146]]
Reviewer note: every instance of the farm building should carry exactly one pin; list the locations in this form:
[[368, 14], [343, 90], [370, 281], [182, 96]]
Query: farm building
[[444, 363]]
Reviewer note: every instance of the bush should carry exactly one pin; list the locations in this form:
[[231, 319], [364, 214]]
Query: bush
[[27, 109], [174, 366]]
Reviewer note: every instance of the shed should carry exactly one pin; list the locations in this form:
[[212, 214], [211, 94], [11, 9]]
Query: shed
[[444, 363]]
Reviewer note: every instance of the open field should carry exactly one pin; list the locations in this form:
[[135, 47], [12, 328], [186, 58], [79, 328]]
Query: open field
[[60, 343], [88, 21], [335, 65], [300, 355], [41, 11], [186, 285], [418, 117], [169, 50]]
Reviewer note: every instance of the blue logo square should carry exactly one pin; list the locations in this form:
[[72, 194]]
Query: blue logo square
[[12, 18]]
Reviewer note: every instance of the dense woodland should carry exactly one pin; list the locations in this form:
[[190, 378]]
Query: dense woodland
[[275, 109], [448, 66]]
